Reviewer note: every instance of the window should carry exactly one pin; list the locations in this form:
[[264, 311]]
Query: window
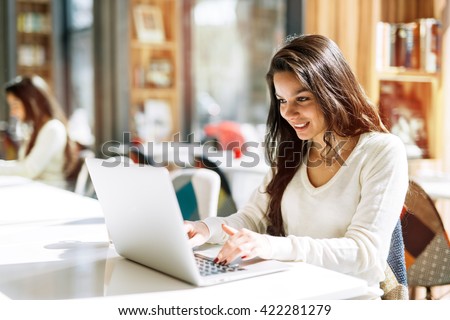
[[81, 70], [232, 43]]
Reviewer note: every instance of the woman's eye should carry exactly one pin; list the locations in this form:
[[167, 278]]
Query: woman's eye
[[302, 99], [281, 101]]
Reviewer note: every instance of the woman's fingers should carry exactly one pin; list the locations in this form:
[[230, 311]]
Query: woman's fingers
[[189, 228], [197, 232], [229, 230], [196, 240], [240, 244]]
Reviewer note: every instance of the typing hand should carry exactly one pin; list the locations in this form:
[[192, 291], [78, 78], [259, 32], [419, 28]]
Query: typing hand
[[197, 232], [243, 243]]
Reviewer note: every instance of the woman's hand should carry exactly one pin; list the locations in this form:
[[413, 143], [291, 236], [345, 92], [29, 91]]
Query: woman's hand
[[197, 232], [243, 243]]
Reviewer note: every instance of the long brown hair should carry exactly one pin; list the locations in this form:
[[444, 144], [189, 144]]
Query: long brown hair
[[40, 106], [321, 68]]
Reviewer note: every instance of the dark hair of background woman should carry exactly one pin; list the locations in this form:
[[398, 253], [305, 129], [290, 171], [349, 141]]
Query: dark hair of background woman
[[40, 107]]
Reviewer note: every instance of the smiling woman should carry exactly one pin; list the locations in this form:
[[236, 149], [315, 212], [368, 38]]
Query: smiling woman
[[338, 180], [299, 107]]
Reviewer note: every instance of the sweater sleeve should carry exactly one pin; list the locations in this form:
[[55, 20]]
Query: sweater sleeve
[[51, 139], [251, 216], [365, 245]]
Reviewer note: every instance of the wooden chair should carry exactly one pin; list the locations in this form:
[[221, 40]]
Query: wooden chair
[[427, 245], [80, 181]]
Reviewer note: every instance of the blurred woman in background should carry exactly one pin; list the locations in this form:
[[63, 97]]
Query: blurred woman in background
[[46, 153]]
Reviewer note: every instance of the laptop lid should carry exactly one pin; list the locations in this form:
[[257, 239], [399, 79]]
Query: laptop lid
[[143, 216]]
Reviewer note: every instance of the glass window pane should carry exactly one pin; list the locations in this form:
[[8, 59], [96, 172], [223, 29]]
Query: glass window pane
[[233, 41], [81, 76], [81, 16]]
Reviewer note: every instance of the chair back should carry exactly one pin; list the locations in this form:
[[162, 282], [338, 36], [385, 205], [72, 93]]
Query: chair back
[[227, 205], [427, 245], [197, 191], [395, 286], [82, 183]]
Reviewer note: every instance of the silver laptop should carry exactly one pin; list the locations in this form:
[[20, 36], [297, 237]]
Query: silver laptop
[[145, 224]]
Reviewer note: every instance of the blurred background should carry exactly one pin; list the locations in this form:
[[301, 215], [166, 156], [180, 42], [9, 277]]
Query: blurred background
[[164, 70]]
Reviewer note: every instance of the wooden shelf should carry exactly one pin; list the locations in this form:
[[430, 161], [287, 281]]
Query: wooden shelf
[[159, 58], [169, 45], [33, 34], [33, 2], [354, 29], [410, 99], [152, 91], [37, 67], [407, 72], [403, 74], [34, 38]]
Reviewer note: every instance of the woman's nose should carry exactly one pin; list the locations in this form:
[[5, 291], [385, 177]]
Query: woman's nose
[[13, 113], [290, 110]]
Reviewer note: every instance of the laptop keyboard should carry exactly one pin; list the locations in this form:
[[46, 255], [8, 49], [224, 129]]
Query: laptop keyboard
[[207, 267]]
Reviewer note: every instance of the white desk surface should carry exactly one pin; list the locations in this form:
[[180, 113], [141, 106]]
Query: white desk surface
[[48, 252], [26, 201]]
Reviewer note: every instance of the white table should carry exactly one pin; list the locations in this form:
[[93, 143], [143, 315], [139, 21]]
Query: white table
[[48, 252], [27, 201]]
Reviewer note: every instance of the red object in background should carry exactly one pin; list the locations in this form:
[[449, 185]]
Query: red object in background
[[228, 135], [237, 152]]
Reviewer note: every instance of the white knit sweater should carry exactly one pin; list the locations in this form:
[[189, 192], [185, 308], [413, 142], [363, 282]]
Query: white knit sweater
[[45, 161], [344, 225]]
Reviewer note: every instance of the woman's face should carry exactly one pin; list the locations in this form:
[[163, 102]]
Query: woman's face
[[16, 107], [299, 107]]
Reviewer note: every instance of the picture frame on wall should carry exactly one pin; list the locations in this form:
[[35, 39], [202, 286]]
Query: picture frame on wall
[[149, 24]]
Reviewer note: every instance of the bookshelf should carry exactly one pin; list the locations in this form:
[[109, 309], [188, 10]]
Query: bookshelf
[[408, 64], [353, 26], [154, 69], [34, 38]]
